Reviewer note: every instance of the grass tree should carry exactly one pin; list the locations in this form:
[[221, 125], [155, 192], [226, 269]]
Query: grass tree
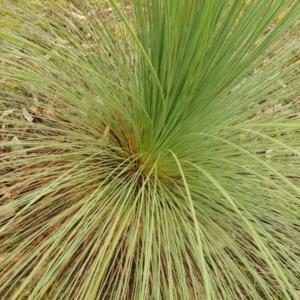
[[149, 150]]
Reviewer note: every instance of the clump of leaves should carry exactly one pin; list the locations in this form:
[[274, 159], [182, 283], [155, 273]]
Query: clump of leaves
[[150, 151]]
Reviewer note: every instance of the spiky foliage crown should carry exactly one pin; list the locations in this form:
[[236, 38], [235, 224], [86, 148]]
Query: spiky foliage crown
[[149, 150]]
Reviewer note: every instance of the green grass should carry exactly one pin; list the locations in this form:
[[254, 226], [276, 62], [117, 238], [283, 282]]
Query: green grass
[[149, 150]]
